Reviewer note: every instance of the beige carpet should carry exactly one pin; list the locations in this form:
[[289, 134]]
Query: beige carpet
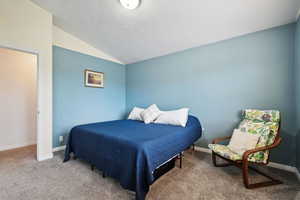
[[23, 178]]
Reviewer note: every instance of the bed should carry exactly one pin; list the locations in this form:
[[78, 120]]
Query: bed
[[131, 151]]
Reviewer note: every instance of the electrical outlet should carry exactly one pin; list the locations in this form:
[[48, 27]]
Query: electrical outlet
[[61, 139]]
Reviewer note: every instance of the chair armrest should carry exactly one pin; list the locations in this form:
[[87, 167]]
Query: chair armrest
[[218, 140], [251, 151]]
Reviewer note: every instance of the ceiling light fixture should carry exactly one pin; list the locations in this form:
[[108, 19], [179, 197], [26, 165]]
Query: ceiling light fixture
[[130, 4]]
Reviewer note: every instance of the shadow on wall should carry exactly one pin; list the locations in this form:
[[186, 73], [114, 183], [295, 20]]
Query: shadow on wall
[[288, 144]]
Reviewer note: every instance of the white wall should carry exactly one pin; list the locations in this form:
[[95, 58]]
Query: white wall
[[23, 25], [18, 73], [68, 41]]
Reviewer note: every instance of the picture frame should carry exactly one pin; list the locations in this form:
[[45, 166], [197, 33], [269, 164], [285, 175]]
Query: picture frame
[[93, 79]]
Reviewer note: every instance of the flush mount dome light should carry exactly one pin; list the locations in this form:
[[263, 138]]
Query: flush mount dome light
[[130, 4]]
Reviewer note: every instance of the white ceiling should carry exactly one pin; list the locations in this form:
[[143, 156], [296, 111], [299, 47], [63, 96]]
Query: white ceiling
[[160, 27]]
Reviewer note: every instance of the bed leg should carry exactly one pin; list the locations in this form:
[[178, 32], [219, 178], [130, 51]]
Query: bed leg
[[92, 167], [103, 175], [180, 160], [193, 147], [74, 157]]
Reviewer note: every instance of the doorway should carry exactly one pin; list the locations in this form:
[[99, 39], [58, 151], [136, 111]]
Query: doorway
[[18, 100]]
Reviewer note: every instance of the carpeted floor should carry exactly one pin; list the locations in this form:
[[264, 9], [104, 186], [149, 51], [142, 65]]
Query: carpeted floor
[[23, 178]]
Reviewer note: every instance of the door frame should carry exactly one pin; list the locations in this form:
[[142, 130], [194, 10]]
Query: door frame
[[37, 112]]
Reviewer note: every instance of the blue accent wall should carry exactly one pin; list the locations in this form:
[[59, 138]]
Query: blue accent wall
[[75, 104], [297, 84], [217, 81]]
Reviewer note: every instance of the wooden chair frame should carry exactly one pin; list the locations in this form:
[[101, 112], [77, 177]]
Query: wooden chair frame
[[244, 163]]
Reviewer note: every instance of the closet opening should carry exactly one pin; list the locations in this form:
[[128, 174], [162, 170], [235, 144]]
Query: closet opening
[[18, 105]]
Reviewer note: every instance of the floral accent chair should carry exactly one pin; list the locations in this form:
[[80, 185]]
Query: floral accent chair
[[266, 123]]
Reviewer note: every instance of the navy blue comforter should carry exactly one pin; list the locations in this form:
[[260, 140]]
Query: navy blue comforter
[[130, 150]]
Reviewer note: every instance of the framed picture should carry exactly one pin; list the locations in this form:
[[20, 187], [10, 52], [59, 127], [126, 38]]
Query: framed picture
[[94, 79]]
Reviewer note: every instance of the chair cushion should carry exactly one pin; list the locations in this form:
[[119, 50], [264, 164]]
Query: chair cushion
[[274, 128], [269, 137], [262, 115], [261, 129], [225, 152]]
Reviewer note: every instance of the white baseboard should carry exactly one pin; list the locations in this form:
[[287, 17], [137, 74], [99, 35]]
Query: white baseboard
[[271, 164], [283, 167], [45, 157], [18, 145], [60, 148], [202, 149]]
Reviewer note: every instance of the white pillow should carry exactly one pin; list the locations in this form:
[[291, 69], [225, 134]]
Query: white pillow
[[242, 141], [150, 114], [174, 117], [135, 114]]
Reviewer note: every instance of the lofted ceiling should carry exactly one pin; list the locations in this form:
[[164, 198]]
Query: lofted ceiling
[[160, 27]]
